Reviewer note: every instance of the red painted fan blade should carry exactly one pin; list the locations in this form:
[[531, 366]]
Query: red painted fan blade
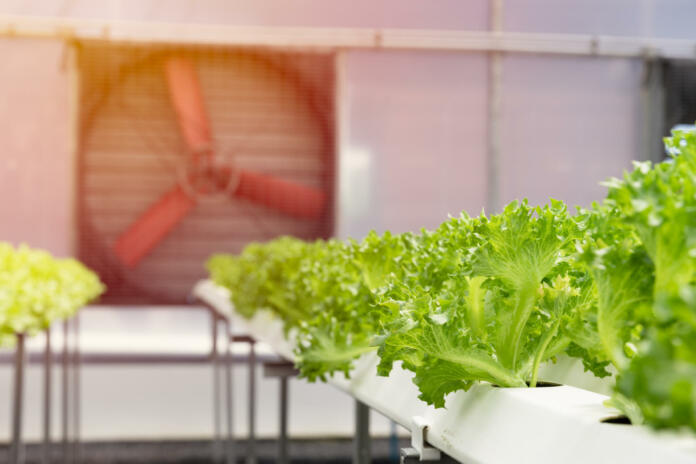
[[287, 197], [187, 99], [152, 226]]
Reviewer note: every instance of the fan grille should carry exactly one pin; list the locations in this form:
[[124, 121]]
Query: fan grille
[[270, 112]]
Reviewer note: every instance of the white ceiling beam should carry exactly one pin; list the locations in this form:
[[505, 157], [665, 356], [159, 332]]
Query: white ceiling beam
[[345, 38]]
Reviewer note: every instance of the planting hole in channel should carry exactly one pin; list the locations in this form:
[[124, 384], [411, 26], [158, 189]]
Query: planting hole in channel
[[622, 420], [538, 385], [542, 384]]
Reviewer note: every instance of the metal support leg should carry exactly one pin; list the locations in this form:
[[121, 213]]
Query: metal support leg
[[76, 389], [17, 448], [283, 426], [65, 393], [229, 445], [393, 442], [282, 370], [361, 452], [251, 455], [215, 359], [48, 362]]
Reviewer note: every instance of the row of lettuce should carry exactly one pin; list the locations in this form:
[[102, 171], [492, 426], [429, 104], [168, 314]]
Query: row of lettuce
[[37, 289], [491, 298]]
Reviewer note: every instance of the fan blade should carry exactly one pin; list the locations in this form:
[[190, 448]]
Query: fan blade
[[187, 99], [287, 197], [152, 226]]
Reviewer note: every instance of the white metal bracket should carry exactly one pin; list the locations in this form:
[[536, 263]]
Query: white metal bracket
[[419, 430]]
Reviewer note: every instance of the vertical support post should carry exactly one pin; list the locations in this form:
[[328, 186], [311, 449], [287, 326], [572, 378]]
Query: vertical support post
[[652, 100], [17, 447], [494, 112], [362, 452], [283, 432], [229, 445], [393, 442], [216, 388], [65, 393], [76, 388], [251, 451], [48, 362]]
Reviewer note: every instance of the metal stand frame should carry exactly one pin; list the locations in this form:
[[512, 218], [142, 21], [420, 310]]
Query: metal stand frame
[[65, 394], [215, 361], [282, 370], [48, 364], [251, 394], [17, 446], [75, 358], [228, 447], [230, 451], [362, 446], [70, 392]]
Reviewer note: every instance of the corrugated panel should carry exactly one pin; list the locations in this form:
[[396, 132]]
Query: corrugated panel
[[270, 112]]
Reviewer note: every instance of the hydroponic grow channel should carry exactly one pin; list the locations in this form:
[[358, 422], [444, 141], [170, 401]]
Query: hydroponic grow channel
[[487, 424]]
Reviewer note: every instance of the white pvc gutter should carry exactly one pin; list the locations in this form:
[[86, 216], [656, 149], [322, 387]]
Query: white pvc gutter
[[486, 424]]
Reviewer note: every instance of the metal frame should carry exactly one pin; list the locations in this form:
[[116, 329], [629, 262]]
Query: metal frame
[[251, 394], [340, 38], [495, 76], [21, 359], [47, 392], [362, 452], [230, 449], [71, 358], [282, 370], [215, 297], [222, 367], [17, 446]]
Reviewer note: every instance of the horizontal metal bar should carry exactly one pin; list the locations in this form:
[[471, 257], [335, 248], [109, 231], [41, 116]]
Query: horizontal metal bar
[[139, 358], [279, 369], [332, 38], [144, 308]]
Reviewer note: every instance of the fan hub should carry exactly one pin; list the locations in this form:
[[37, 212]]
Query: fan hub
[[204, 178]]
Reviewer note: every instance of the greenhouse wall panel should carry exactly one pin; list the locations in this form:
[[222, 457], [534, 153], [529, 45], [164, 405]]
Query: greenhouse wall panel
[[567, 124], [637, 18], [412, 139], [37, 176]]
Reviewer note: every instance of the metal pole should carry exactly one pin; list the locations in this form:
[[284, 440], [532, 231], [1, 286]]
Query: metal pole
[[16, 449], [76, 388], [393, 442], [48, 362], [494, 112], [66, 395], [652, 100], [361, 453], [283, 433], [229, 448], [216, 389], [251, 453]]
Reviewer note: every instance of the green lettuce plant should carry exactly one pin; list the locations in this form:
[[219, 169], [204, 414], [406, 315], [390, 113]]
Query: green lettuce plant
[[37, 289]]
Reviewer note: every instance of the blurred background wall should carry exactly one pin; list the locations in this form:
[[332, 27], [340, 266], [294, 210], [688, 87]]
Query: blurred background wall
[[412, 143], [566, 122], [37, 173]]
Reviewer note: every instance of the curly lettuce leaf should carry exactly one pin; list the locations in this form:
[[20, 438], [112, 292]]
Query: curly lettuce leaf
[[37, 289]]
